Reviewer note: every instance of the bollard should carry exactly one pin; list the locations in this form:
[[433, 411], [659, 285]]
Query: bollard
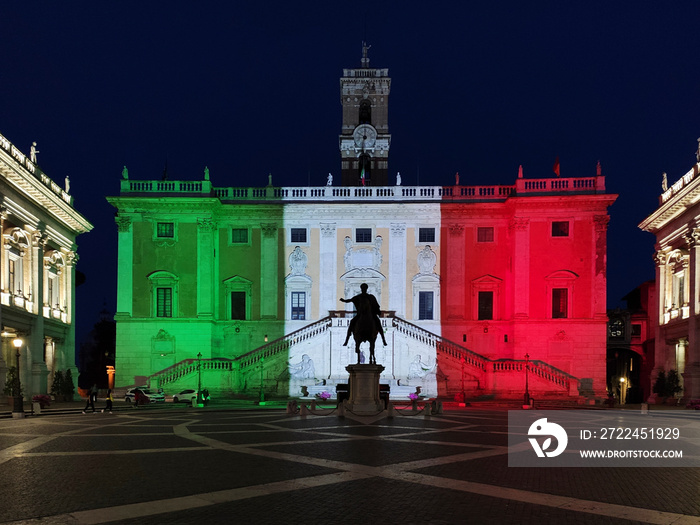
[[313, 404], [645, 408], [341, 409], [390, 409], [426, 409], [304, 410]]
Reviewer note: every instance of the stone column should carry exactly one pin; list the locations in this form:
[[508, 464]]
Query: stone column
[[268, 271], [205, 268], [35, 368], [328, 269], [659, 332], [520, 231], [691, 374], [397, 269], [125, 259]]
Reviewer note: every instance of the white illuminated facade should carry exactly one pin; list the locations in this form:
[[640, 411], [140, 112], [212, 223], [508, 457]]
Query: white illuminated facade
[[676, 225], [37, 271]]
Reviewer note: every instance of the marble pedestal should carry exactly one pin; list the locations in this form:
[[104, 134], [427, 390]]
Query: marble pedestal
[[364, 389]]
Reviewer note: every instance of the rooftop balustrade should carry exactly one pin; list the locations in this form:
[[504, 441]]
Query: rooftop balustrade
[[523, 187]]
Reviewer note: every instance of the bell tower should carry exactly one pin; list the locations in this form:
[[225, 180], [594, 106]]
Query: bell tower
[[365, 138]]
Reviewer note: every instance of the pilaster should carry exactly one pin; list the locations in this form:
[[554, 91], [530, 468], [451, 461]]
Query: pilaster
[[125, 258], [397, 269], [268, 271], [456, 266], [206, 260], [328, 271], [520, 231]]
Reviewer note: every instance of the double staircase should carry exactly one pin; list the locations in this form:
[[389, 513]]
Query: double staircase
[[459, 369]]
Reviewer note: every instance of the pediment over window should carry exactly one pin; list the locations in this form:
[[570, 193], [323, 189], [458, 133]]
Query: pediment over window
[[162, 277], [237, 280], [486, 280], [562, 275]]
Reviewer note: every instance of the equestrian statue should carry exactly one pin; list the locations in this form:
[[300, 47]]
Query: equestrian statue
[[366, 324]]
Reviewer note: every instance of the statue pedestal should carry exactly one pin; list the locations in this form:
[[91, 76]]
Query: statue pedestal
[[364, 389]]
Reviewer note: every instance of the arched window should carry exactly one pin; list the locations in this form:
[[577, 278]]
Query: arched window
[[365, 112]]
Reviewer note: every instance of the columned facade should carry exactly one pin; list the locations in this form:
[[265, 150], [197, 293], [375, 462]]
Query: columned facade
[[37, 272]]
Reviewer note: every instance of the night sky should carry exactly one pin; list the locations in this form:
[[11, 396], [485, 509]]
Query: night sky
[[251, 88]]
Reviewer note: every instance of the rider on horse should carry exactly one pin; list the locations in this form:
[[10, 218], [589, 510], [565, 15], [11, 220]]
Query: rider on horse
[[361, 301]]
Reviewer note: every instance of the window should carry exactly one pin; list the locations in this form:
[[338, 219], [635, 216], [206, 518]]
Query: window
[[560, 228], [636, 330], [485, 306], [560, 303], [53, 290], [164, 292], [298, 235], [238, 306], [164, 302], [12, 278], [165, 230], [363, 235], [425, 305], [426, 234], [484, 234], [298, 306], [239, 236]]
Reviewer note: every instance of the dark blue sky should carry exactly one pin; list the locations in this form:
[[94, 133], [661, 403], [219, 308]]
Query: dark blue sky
[[249, 88]]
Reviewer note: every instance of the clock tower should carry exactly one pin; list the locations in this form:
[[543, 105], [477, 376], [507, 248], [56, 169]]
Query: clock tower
[[364, 138]]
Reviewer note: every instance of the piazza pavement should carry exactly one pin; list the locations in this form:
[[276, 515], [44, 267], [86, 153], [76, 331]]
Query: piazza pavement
[[260, 465]]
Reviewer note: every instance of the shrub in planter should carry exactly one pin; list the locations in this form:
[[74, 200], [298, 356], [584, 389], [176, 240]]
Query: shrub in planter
[[43, 400]]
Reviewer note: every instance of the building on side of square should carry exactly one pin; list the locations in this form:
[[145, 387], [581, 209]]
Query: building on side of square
[[676, 225], [481, 286], [37, 270]]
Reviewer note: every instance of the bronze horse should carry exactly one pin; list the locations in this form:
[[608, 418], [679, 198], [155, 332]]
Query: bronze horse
[[365, 329]]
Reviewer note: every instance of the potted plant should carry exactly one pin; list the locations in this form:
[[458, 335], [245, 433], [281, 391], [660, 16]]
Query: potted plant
[[13, 388]]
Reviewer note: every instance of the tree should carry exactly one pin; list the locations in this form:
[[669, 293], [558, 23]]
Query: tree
[[67, 387], [57, 385], [12, 384]]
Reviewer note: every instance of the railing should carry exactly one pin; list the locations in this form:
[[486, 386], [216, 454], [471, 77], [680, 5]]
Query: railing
[[536, 368], [187, 367], [283, 344], [482, 363], [523, 187], [440, 343]]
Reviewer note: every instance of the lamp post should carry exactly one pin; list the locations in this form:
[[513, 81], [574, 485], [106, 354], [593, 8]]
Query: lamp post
[[527, 390], [262, 384], [199, 378], [19, 403]]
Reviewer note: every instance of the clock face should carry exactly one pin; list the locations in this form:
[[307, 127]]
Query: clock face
[[365, 136], [616, 328]]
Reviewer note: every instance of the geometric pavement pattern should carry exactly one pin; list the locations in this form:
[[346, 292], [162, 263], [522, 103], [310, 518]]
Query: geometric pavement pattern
[[178, 465]]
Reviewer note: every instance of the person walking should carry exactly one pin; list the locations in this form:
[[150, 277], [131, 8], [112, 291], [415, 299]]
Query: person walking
[[92, 397], [108, 407]]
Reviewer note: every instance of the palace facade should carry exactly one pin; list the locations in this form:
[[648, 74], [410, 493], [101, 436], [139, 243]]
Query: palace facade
[[676, 225], [485, 290], [37, 271]]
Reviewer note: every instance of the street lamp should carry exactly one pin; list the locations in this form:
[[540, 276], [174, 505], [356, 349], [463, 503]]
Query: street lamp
[[19, 403], [527, 391], [199, 377]]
